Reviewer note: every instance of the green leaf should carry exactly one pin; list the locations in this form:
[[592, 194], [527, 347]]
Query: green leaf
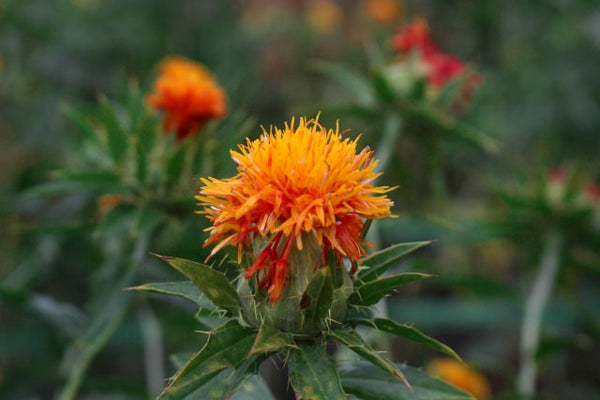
[[370, 383], [212, 283], [115, 134], [226, 382], [90, 177], [371, 292], [226, 346], [102, 325], [317, 298], [353, 82], [180, 359], [382, 260], [382, 87], [254, 388], [83, 123], [408, 332], [271, 339], [354, 342], [186, 290], [452, 127], [313, 374]]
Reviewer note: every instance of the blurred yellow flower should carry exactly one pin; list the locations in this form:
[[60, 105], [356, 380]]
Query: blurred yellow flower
[[303, 179], [323, 15], [385, 12], [188, 94], [460, 375]]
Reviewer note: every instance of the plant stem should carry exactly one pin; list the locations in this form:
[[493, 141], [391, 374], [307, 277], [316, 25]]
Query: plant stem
[[392, 128], [153, 350], [534, 308], [85, 349]]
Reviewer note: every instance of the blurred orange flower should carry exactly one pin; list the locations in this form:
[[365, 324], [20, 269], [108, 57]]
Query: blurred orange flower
[[188, 94], [384, 11], [303, 179], [460, 375], [323, 15]]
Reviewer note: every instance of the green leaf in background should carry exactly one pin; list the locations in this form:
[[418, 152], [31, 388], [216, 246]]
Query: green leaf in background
[[317, 298], [354, 342], [452, 126], [116, 137], [83, 123], [213, 284], [371, 292], [408, 332], [253, 388], [271, 339], [185, 289], [382, 260], [313, 374], [367, 382], [227, 346], [354, 83], [383, 89]]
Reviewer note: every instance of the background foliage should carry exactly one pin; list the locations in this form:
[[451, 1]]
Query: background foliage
[[540, 100]]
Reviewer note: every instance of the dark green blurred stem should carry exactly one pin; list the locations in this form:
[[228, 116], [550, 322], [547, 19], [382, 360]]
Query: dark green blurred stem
[[534, 310], [436, 170], [87, 347], [153, 350], [392, 129]]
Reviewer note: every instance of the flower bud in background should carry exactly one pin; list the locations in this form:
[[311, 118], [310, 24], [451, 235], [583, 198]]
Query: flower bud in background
[[301, 190], [189, 96], [460, 375], [441, 68], [556, 185]]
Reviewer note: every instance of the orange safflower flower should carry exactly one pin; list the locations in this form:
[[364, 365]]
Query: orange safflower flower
[[384, 11], [299, 180], [188, 94], [462, 376]]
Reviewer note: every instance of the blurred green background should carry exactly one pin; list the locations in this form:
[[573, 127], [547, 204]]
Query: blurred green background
[[540, 99]]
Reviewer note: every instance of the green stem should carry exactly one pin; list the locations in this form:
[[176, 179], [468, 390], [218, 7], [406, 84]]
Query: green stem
[[436, 170], [87, 347], [153, 350], [392, 128], [534, 308]]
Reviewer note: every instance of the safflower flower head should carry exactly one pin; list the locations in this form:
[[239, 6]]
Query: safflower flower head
[[297, 182], [188, 94]]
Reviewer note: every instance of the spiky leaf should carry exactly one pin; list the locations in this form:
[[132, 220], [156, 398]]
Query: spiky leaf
[[212, 283], [382, 260], [371, 292], [354, 342], [408, 332], [367, 382], [116, 136], [185, 289], [313, 374], [227, 346], [271, 339]]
